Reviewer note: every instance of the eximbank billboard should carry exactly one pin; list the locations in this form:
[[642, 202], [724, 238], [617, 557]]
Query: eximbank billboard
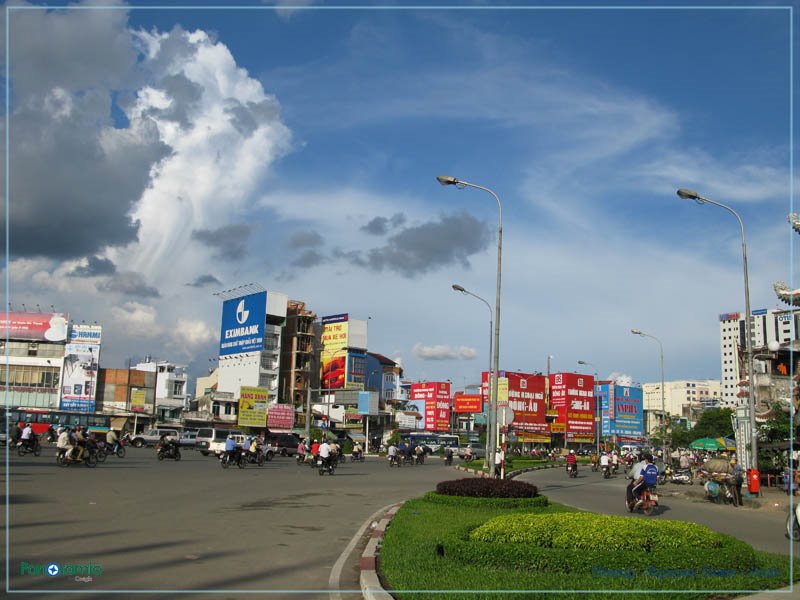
[[243, 321]]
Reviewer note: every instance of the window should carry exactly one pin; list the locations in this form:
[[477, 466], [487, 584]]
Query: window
[[177, 388], [215, 409]]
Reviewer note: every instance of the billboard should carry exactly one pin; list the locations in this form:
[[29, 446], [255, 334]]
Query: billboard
[[79, 379], [138, 400], [85, 334], [628, 411], [243, 321], [280, 416], [572, 395], [524, 393], [333, 357], [253, 406], [436, 396], [368, 403], [39, 327], [468, 403]]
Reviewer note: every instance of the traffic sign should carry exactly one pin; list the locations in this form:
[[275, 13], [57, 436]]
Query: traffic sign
[[505, 415]]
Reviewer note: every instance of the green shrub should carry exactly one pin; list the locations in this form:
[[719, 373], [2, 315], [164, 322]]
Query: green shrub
[[487, 488], [581, 542], [492, 503]]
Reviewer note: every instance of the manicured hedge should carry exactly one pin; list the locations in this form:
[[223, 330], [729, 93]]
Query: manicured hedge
[[471, 501], [487, 488], [586, 542]]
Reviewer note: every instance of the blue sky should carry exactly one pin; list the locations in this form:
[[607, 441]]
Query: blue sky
[[178, 153]]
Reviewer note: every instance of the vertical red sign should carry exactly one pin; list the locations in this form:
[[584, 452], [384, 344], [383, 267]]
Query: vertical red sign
[[436, 395], [572, 394]]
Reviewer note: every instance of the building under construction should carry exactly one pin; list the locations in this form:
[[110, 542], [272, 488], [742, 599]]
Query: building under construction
[[297, 358]]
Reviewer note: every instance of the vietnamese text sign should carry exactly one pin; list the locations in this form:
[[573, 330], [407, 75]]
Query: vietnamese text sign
[[253, 406], [80, 377], [243, 322], [334, 351], [436, 395], [280, 416], [468, 403], [572, 394], [45, 327], [137, 400]]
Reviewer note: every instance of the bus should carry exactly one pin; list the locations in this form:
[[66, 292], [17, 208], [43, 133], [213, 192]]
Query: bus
[[41, 419], [433, 440]]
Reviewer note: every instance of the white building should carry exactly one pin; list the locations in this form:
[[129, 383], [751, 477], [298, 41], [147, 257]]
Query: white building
[[684, 398], [170, 389], [773, 325], [250, 340]]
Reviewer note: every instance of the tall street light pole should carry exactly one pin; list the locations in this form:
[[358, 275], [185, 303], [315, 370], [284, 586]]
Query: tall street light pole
[[748, 336], [596, 403], [489, 424], [447, 180], [663, 406]]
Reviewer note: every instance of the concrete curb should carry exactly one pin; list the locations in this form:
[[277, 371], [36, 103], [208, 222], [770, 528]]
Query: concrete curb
[[369, 581]]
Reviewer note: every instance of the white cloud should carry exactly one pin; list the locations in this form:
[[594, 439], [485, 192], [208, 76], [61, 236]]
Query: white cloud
[[135, 319], [443, 352]]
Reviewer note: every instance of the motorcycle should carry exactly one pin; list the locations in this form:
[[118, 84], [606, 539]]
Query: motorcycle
[[614, 468], [721, 491], [664, 476], [572, 470], [324, 466], [606, 472], [357, 456], [168, 451], [419, 459], [793, 523], [52, 436], [394, 460], [64, 460], [594, 467], [30, 446], [681, 476], [238, 459], [300, 458], [648, 501], [104, 450]]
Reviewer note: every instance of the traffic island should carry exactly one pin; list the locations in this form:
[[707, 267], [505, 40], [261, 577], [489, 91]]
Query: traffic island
[[451, 544]]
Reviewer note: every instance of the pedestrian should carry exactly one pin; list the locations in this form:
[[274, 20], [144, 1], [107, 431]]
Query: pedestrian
[[738, 480], [498, 462]]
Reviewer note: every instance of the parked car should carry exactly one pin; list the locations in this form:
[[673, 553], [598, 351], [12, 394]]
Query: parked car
[[285, 443], [188, 439], [151, 437], [478, 450]]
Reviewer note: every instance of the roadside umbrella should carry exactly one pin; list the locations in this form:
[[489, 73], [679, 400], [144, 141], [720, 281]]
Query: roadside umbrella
[[727, 443], [707, 444]]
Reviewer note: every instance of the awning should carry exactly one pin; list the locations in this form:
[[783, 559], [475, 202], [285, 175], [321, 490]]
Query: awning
[[118, 422], [356, 437], [280, 431]]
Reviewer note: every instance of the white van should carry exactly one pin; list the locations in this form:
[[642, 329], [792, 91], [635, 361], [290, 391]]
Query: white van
[[212, 441]]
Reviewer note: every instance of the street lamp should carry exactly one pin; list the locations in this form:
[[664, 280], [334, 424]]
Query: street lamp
[[447, 180], [489, 429], [663, 408], [596, 403], [751, 403]]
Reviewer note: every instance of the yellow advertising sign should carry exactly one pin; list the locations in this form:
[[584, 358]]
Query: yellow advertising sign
[[502, 391], [558, 427], [334, 336], [334, 352], [137, 400], [253, 406]]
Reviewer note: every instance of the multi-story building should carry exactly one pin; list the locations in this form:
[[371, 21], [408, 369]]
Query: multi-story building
[[35, 359], [297, 357], [170, 389], [128, 396], [773, 325], [250, 340], [684, 399]]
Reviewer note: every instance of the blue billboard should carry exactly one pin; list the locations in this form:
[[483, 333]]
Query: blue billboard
[[628, 414], [243, 320]]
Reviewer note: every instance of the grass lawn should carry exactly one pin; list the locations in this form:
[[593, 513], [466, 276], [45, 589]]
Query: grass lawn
[[414, 557]]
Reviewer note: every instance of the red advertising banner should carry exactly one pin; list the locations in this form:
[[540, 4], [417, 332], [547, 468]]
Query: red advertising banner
[[436, 395], [468, 403], [526, 396], [572, 394], [45, 327], [280, 416]]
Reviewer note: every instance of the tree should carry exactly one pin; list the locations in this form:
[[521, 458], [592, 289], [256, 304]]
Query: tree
[[682, 436], [777, 426], [713, 423]]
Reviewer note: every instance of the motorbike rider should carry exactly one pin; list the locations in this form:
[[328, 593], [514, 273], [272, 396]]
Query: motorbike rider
[[325, 453], [112, 440], [648, 477], [357, 451], [315, 448], [166, 442], [572, 461], [419, 451], [79, 440], [633, 475], [301, 451], [63, 444], [392, 453], [614, 461], [468, 454], [594, 461], [604, 461], [448, 455], [231, 448], [27, 434]]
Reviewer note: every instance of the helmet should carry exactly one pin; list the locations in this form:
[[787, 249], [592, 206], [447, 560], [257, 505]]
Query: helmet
[[315, 441], [572, 451]]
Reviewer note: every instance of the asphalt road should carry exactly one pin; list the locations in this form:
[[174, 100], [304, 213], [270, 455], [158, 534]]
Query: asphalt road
[[762, 528], [191, 525]]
